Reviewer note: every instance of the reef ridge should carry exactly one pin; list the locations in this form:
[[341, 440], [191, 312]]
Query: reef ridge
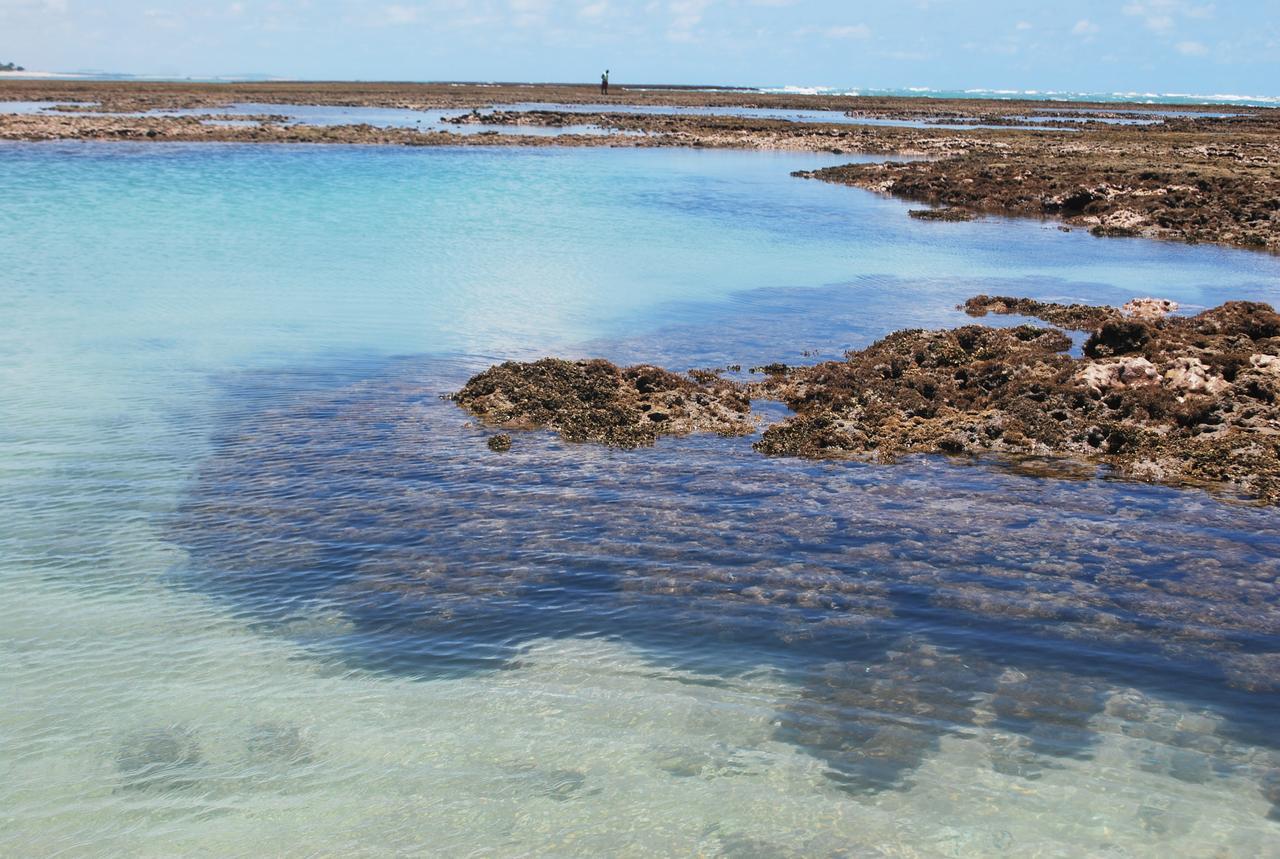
[[1176, 399]]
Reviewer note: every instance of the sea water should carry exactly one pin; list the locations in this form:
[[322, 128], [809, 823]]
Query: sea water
[[263, 592], [317, 115]]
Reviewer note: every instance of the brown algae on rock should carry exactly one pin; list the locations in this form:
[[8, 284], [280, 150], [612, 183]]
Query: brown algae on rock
[[950, 213], [1077, 317], [1160, 398], [1172, 400], [596, 401]]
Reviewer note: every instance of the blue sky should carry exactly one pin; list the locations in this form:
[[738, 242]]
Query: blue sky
[[1127, 45]]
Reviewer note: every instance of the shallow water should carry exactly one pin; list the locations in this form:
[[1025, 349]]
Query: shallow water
[[325, 115], [381, 117], [27, 107], [260, 586], [435, 120]]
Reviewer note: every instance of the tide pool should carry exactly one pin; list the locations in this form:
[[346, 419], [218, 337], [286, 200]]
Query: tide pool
[[262, 592]]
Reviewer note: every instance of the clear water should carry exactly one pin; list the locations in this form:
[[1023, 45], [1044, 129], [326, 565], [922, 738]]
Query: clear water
[[26, 107], [435, 120], [325, 115], [381, 117], [262, 592]]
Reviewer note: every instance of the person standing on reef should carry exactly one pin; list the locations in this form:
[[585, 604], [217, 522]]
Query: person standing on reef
[[604, 83]]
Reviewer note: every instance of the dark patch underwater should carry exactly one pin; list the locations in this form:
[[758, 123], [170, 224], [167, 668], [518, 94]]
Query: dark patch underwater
[[364, 516]]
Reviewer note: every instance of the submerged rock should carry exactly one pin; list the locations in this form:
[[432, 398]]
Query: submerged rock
[[874, 724], [159, 758], [1271, 792], [271, 742], [1051, 710], [370, 520]]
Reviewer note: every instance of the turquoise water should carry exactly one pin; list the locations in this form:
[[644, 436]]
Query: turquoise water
[[261, 592], [435, 120], [322, 115]]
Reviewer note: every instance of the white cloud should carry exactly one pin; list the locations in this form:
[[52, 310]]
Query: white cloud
[[1162, 16], [163, 18], [1085, 27], [392, 15], [16, 7], [685, 16], [528, 13], [1023, 25], [908, 56], [594, 10], [848, 31], [1191, 49]]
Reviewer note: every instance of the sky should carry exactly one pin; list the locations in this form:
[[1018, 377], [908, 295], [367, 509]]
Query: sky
[[1162, 46]]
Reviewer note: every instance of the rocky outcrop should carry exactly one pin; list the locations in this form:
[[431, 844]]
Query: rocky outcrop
[[596, 401], [946, 214], [1117, 183], [1178, 399], [1077, 317], [1170, 399]]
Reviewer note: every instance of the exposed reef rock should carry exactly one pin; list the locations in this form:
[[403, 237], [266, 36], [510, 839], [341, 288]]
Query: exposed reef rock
[[1149, 309], [1169, 399], [163, 758], [1178, 400], [906, 703], [1077, 317], [948, 214], [1125, 183], [599, 402]]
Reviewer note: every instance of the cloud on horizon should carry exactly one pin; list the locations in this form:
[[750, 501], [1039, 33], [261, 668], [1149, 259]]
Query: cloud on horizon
[[1145, 45]]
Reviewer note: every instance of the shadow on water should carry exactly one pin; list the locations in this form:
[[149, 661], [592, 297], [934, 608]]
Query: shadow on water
[[365, 517]]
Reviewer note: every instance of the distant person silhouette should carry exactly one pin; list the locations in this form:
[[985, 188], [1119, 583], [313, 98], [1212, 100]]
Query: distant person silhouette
[[604, 83]]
